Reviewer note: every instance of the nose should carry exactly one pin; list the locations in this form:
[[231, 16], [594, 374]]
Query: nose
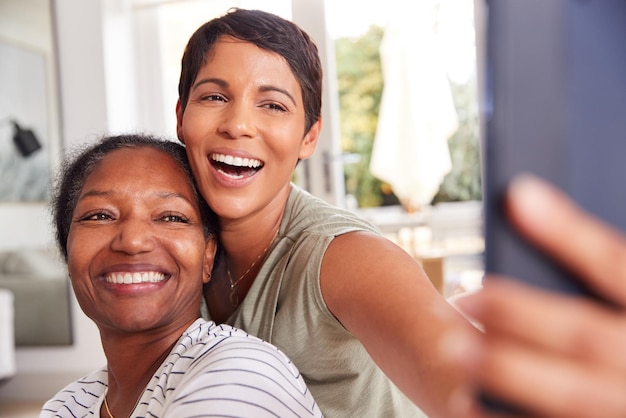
[[133, 237], [238, 120]]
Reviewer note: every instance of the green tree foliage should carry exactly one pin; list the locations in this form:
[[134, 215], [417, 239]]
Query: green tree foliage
[[360, 85]]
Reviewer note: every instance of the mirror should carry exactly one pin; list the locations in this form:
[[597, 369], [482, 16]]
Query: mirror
[[29, 149], [29, 127]]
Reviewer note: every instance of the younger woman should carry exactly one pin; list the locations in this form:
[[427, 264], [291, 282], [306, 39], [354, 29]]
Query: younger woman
[[356, 313]]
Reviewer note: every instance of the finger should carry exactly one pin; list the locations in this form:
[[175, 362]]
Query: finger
[[540, 384], [477, 410], [581, 242], [569, 326], [463, 403], [550, 386]]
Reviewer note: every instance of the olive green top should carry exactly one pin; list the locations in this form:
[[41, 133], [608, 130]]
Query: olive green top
[[285, 307]]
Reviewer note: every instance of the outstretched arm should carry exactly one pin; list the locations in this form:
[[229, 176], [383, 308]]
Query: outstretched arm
[[383, 297], [552, 354]]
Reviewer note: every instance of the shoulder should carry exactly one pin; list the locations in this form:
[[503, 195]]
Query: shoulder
[[234, 350], [235, 370], [306, 213], [78, 397]]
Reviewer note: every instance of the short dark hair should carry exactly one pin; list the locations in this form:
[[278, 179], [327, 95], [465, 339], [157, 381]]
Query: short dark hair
[[81, 162], [269, 32]]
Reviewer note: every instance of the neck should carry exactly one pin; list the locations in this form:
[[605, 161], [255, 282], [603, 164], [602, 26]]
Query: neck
[[246, 243], [243, 239], [245, 249], [245, 236], [132, 360]]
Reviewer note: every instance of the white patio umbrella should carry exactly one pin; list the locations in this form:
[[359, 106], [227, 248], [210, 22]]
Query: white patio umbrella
[[417, 113]]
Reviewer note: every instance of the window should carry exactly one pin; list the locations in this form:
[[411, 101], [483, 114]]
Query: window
[[144, 43], [142, 77], [431, 96]]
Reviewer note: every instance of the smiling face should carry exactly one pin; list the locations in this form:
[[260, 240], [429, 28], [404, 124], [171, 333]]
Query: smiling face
[[137, 253], [244, 128]]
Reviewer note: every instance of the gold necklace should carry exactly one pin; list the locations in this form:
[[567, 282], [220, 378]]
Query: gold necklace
[[234, 296], [106, 406]]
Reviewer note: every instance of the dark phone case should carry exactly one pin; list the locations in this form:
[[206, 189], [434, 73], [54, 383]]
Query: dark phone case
[[555, 106]]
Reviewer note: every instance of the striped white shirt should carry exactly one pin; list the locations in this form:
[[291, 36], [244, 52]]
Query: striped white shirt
[[213, 371]]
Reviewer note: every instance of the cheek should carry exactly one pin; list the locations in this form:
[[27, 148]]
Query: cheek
[[77, 265], [280, 136], [290, 145], [82, 249], [194, 148], [189, 252], [76, 253], [194, 126], [78, 272]]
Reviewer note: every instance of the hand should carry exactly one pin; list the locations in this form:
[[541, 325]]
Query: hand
[[553, 355]]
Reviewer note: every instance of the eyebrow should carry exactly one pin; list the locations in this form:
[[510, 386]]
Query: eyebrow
[[218, 81], [160, 195], [224, 84], [93, 193], [278, 89]]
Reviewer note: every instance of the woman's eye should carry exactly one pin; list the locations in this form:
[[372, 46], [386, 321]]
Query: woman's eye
[[175, 218], [275, 106], [213, 98], [96, 216]]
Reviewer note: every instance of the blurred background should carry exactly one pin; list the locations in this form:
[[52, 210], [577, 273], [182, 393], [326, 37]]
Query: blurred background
[[400, 143]]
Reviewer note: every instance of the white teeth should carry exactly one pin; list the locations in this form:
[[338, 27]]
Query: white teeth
[[232, 176], [135, 277], [236, 161]]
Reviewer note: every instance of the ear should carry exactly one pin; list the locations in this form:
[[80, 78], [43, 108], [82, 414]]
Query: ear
[[309, 142], [179, 121], [209, 258]]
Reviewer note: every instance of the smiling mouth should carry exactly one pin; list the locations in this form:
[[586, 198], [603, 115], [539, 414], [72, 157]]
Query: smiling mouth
[[134, 277], [236, 167]]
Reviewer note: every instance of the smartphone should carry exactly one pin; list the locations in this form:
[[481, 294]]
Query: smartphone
[[554, 105]]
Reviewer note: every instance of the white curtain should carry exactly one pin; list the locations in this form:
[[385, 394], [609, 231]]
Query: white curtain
[[417, 113]]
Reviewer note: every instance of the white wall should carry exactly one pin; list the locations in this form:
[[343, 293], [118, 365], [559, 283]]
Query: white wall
[[43, 371]]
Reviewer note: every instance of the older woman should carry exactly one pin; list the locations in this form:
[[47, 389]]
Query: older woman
[[139, 245]]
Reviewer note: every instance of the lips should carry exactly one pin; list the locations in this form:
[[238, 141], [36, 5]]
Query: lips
[[134, 277], [236, 167]]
